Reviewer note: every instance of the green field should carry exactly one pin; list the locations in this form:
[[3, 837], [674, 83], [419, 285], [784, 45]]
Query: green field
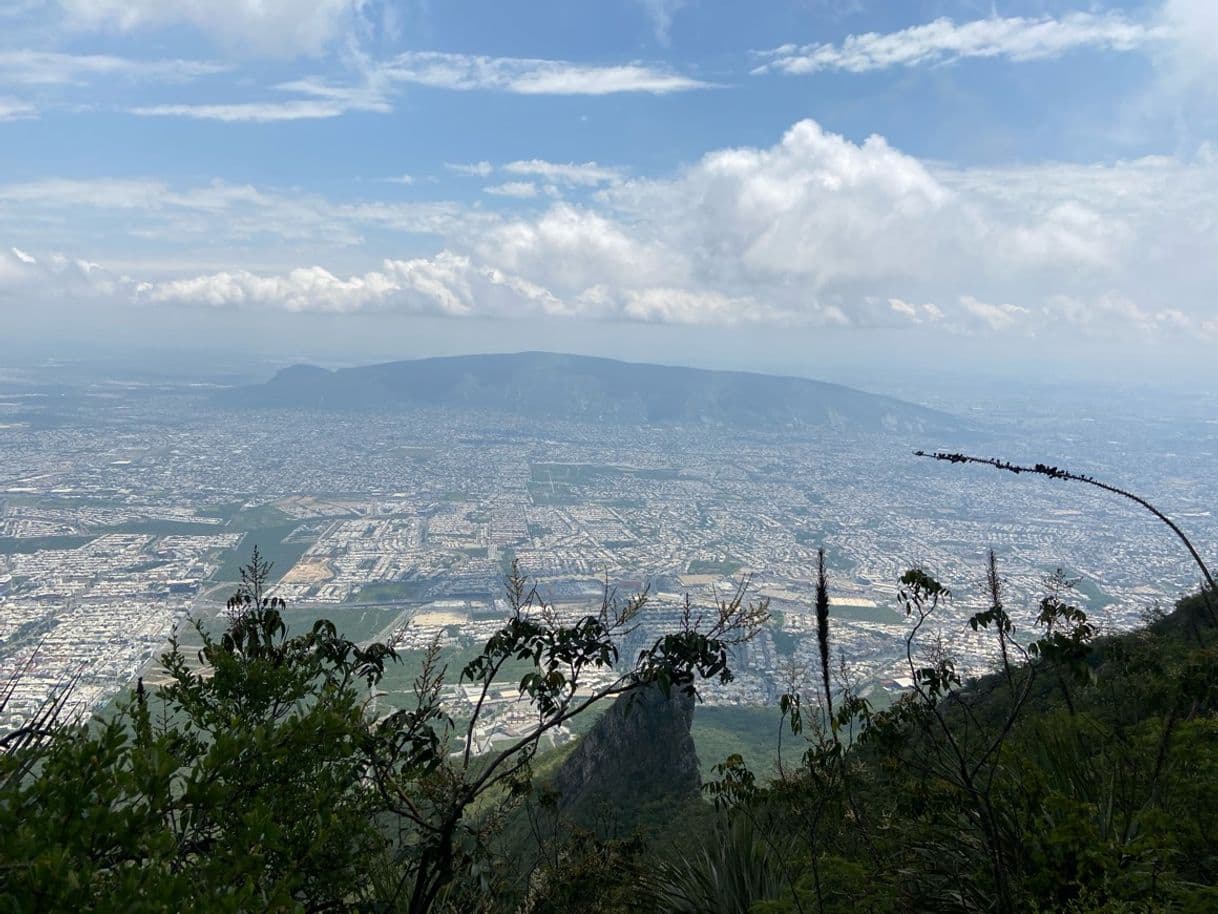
[[269, 541], [881, 613], [11, 545], [725, 567]]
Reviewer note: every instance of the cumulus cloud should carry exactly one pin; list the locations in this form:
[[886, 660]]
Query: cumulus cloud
[[919, 314], [815, 207], [815, 229], [450, 285], [996, 317], [570, 250], [447, 284], [23, 276], [281, 28], [944, 41]]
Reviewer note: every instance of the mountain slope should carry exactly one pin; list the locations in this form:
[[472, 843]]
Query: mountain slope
[[550, 385]]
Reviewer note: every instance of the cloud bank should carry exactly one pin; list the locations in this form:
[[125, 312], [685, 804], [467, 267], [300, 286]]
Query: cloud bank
[[813, 230]]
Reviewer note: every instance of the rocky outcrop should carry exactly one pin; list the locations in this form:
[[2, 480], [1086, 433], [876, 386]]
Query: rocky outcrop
[[639, 754]]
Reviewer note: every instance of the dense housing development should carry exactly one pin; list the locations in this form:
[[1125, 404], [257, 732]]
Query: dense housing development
[[125, 517]]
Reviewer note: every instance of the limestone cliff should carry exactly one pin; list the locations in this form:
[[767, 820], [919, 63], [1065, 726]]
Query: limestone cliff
[[639, 754]]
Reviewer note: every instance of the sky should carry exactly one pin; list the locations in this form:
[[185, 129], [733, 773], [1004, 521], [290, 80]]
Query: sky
[[834, 188]]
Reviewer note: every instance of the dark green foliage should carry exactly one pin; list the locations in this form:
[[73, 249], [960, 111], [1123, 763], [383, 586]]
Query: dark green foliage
[[1081, 777], [731, 869], [232, 791], [590, 874], [258, 778]]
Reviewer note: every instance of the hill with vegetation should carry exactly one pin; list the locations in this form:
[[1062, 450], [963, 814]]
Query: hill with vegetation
[[551, 385]]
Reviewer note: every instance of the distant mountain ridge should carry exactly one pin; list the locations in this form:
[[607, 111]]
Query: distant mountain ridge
[[553, 385]]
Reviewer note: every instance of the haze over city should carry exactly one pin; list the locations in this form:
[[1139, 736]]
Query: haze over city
[[811, 187]]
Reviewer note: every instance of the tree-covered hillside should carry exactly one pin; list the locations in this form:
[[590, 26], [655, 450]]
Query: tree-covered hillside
[[537, 385]]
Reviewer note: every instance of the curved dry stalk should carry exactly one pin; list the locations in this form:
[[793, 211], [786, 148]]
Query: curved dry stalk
[[1052, 472]]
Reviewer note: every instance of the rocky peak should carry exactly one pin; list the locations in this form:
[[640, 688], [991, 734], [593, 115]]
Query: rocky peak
[[639, 753]]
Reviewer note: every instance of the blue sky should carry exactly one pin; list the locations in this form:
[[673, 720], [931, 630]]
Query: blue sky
[[823, 186]]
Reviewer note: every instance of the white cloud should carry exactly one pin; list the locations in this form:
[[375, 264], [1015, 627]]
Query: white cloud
[[303, 289], [400, 179], [60, 210], [250, 112], [321, 101], [381, 81], [48, 68], [528, 76], [570, 250], [927, 313], [586, 173], [685, 306], [814, 229], [280, 28], [520, 189], [1013, 38], [815, 206], [1189, 57], [447, 284], [24, 276], [12, 109], [470, 169], [996, 317], [661, 14], [1113, 314]]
